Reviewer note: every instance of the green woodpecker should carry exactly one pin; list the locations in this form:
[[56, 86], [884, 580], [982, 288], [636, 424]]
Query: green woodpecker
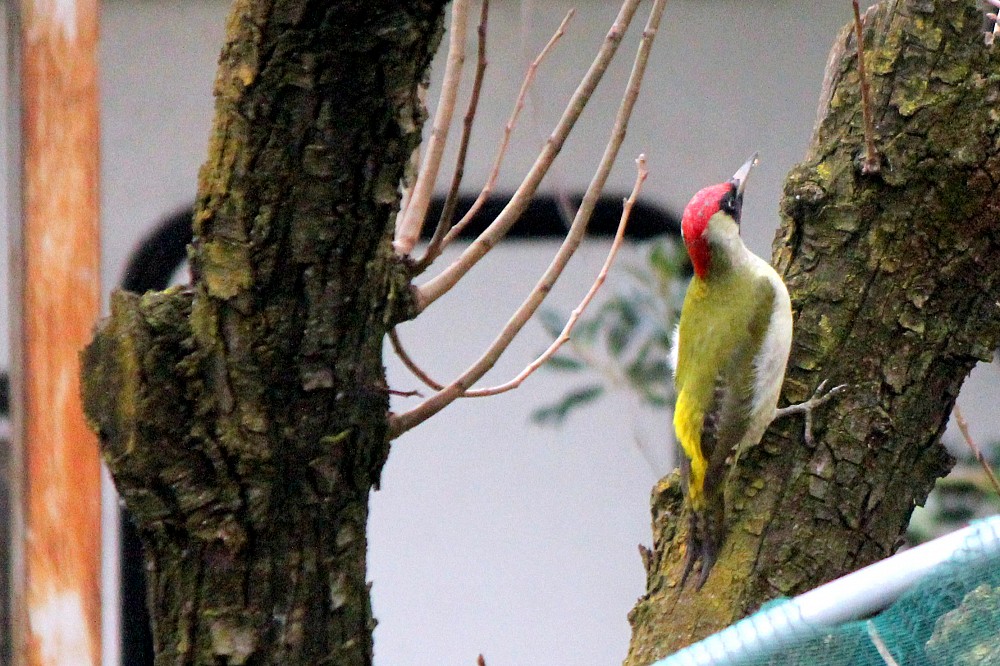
[[729, 355]]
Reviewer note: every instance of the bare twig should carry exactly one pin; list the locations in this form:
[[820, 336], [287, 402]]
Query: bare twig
[[400, 423], [442, 283], [408, 230], [964, 427], [410, 172], [411, 365], [966, 475], [451, 202], [575, 315], [880, 645], [404, 394], [564, 336], [508, 129], [872, 161]]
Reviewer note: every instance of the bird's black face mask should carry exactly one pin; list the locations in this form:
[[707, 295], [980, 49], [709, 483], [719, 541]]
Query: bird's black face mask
[[732, 202]]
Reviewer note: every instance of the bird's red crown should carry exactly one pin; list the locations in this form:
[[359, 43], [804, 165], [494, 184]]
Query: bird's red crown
[[697, 213]]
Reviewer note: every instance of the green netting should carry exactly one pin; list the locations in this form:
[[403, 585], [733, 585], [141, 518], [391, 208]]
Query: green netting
[[948, 617]]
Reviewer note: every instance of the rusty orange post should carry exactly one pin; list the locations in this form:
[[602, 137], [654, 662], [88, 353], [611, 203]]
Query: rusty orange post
[[57, 297]]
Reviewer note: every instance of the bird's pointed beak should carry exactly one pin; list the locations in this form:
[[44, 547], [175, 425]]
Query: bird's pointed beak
[[741, 175]]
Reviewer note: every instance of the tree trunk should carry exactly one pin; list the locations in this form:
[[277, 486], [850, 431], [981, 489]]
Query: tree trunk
[[244, 418], [895, 283]]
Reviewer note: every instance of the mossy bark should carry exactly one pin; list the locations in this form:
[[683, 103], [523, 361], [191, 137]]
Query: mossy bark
[[244, 418], [895, 283]]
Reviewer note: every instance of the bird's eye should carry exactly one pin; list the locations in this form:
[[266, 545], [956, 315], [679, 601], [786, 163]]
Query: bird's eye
[[732, 203]]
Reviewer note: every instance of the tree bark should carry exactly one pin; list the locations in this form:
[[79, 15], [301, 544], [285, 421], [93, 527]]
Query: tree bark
[[244, 418], [895, 283]]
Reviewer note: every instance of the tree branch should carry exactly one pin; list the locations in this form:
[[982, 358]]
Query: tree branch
[[442, 283], [529, 79], [411, 365], [451, 201], [602, 275], [412, 223], [564, 336], [963, 426], [400, 423]]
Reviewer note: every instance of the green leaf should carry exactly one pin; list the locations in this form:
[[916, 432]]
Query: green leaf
[[587, 329], [626, 319], [565, 363], [646, 370], [619, 337], [641, 275], [658, 401], [664, 338], [659, 258], [627, 337], [551, 321], [555, 414]]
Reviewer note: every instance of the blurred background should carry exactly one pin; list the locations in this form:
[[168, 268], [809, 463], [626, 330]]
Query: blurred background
[[493, 533]]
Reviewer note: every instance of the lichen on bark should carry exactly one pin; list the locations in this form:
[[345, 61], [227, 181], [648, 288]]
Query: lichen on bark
[[244, 418], [895, 283]]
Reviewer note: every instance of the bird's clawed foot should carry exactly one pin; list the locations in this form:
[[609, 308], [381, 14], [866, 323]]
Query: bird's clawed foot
[[703, 545], [807, 407]]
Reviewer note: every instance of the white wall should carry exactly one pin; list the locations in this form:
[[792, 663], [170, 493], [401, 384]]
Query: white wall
[[491, 534]]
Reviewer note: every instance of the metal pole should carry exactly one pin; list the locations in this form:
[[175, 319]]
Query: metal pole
[[858, 595], [56, 265]]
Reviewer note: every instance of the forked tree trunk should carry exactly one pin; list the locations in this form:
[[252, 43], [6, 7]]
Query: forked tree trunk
[[244, 420], [895, 283]]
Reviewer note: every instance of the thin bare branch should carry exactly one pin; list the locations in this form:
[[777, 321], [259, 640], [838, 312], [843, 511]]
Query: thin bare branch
[[409, 177], [451, 202], [404, 394], [564, 336], [872, 163], [964, 427], [880, 645], [964, 476], [411, 365], [522, 95], [442, 283], [408, 231], [400, 423]]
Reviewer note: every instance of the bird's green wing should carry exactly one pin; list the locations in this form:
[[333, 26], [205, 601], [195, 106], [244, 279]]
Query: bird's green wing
[[727, 414], [729, 410]]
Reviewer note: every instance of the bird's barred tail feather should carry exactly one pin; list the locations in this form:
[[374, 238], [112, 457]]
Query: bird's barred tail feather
[[706, 531]]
